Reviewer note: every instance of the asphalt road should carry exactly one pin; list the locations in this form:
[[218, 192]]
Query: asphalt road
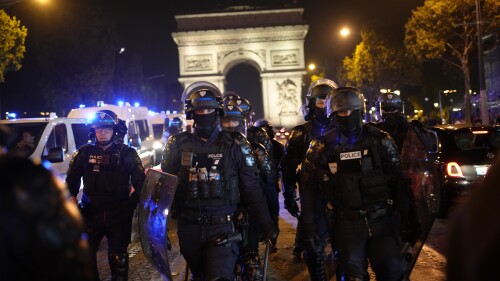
[[430, 265]]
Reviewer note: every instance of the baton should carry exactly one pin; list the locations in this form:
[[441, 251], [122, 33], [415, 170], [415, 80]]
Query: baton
[[266, 259]]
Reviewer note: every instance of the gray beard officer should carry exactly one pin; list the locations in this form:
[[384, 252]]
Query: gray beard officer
[[109, 170], [215, 169], [356, 168]]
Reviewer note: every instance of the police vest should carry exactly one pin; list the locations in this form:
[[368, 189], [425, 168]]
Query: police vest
[[106, 179], [205, 179], [355, 178]]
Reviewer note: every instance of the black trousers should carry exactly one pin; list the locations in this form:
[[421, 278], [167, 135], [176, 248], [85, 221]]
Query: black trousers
[[115, 224], [206, 260], [359, 240]]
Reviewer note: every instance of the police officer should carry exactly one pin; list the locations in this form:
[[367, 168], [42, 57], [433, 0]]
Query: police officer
[[278, 151], [234, 121], [228, 96], [109, 170], [356, 168], [390, 108], [175, 126], [278, 147], [215, 169], [295, 150]]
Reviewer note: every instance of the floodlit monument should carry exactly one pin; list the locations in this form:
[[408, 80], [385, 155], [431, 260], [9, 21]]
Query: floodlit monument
[[272, 41]]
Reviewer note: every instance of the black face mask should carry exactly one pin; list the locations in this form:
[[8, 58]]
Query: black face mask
[[205, 124], [320, 115], [349, 124]]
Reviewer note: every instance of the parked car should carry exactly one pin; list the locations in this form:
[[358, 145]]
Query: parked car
[[462, 155]]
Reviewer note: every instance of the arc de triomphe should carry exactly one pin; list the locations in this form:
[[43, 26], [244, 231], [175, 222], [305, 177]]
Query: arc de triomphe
[[272, 41]]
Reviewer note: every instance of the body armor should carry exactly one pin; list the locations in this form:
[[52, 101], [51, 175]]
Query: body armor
[[355, 177], [107, 175]]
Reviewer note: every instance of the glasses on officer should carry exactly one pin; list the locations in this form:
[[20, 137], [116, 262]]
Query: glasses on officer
[[103, 131]]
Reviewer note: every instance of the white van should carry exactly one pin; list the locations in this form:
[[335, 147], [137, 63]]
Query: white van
[[140, 130], [53, 139]]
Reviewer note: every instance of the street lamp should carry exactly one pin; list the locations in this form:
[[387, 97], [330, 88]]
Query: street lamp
[[7, 3], [441, 103], [313, 68]]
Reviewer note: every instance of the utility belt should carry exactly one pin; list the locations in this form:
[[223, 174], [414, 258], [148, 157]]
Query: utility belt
[[369, 213], [208, 220]]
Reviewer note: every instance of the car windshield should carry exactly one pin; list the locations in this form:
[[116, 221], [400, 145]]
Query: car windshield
[[27, 136], [477, 139]]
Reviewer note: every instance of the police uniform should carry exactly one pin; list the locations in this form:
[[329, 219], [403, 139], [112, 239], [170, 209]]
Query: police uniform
[[109, 170], [107, 206], [359, 175], [295, 149], [214, 173]]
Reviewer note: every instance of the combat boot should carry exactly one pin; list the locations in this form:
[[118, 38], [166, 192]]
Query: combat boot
[[252, 269]]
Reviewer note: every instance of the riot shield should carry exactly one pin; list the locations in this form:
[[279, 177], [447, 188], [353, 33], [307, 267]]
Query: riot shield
[[419, 168], [155, 202]]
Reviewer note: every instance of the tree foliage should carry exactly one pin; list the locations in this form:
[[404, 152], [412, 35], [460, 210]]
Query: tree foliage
[[376, 64], [12, 49], [446, 30]]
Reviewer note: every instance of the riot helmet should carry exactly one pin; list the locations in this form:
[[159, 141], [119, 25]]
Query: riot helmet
[[229, 95], [317, 93], [266, 125], [233, 120], [389, 105], [202, 94], [205, 98], [347, 107], [176, 123], [246, 106], [105, 121]]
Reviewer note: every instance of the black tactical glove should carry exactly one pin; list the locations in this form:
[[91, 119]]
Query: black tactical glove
[[291, 205]]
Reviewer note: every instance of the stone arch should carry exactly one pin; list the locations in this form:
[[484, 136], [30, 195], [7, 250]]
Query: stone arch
[[272, 41], [241, 56]]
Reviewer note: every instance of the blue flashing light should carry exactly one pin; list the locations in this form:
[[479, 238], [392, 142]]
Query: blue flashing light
[[175, 112], [136, 104], [11, 115], [168, 111], [81, 105], [120, 103]]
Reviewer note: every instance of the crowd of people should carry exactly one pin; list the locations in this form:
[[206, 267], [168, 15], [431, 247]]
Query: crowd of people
[[340, 177]]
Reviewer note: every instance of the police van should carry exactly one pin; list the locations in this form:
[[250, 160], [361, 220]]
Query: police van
[[140, 130], [160, 122], [51, 139]]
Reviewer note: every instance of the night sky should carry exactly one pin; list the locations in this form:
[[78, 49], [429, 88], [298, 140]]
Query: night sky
[[145, 27]]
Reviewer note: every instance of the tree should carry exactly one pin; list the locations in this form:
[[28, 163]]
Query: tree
[[376, 64], [12, 49], [446, 30]]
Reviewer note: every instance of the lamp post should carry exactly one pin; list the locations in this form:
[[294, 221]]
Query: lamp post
[[482, 84]]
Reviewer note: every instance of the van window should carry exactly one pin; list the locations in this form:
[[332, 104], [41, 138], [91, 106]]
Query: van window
[[158, 131], [142, 129], [58, 138], [81, 134], [35, 129]]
